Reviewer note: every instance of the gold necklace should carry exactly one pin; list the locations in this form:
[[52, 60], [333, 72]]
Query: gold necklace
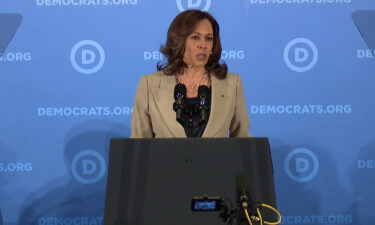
[[194, 87]]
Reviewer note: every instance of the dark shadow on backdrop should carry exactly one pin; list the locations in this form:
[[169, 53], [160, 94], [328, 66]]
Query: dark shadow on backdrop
[[297, 198], [363, 180], [365, 22], [72, 198], [290, 194], [7, 155], [8, 27], [9, 24]]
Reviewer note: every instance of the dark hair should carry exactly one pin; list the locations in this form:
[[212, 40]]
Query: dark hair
[[181, 27]]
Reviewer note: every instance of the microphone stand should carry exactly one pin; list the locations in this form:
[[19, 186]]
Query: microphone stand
[[203, 103]]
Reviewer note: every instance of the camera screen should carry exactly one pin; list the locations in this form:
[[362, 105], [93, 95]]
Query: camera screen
[[205, 204]]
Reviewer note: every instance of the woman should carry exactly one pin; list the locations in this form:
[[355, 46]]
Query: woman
[[193, 51]]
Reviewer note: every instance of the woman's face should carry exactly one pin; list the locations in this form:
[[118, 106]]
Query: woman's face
[[199, 44]]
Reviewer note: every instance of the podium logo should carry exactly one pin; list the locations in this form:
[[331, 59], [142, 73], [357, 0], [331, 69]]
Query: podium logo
[[87, 56], [88, 167], [193, 4], [301, 165], [300, 55]]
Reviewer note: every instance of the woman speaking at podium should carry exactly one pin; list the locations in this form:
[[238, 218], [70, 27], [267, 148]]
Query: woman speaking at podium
[[192, 94]]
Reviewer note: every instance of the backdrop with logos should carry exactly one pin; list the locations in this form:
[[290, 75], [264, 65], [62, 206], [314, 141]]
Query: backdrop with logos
[[69, 75]]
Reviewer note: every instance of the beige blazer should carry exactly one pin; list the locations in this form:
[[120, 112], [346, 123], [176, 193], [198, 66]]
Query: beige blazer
[[153, 114]]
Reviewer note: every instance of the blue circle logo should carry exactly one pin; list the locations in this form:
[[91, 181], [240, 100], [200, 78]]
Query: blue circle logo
[[194, 4], [300, 54], [87, 56], [88, 167], [301, 165]]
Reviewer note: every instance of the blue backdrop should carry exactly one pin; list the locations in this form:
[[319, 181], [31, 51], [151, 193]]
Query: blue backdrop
[[68, 79]]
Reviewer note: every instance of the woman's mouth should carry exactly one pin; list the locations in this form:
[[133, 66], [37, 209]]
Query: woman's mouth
[[201, 57]]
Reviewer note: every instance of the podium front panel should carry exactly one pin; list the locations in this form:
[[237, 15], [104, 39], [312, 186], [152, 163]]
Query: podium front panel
[[152, 181]]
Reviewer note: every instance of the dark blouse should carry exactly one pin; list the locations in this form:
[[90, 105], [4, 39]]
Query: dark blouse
[[192, 122]]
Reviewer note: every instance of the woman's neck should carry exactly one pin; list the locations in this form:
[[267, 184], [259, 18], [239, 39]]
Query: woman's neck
[[194, 73]]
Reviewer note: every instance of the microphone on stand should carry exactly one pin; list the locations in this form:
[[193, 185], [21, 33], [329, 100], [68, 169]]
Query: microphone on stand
[[179, 104], [203, 103], [243, 198], [242, 190]]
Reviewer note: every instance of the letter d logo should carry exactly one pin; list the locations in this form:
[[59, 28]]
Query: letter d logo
[[88, 57], [88, 166], [302, 165]]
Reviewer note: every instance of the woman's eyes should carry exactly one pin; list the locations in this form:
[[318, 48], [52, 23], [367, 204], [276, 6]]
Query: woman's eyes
[[196, 37]]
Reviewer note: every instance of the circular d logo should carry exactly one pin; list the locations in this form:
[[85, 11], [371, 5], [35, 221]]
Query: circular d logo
[[193, 4], [88, 167], [301, 165], [87, 56], [300, 55]]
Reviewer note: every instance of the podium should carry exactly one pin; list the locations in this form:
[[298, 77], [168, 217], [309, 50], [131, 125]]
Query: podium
[[152, 181]]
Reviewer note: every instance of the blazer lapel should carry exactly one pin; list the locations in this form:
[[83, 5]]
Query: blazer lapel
[[163, 96], [220, 106]]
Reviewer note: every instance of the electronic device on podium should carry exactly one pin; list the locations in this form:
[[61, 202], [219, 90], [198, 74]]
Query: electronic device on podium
[[190, 181]]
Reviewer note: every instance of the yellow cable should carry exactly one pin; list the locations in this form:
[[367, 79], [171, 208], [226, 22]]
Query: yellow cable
[[260, 216], [248, 217], [273, 209]]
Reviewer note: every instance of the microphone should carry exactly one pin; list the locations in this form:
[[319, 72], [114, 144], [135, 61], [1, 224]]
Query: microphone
[[179, 104], [242, 190], [203, 102]]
